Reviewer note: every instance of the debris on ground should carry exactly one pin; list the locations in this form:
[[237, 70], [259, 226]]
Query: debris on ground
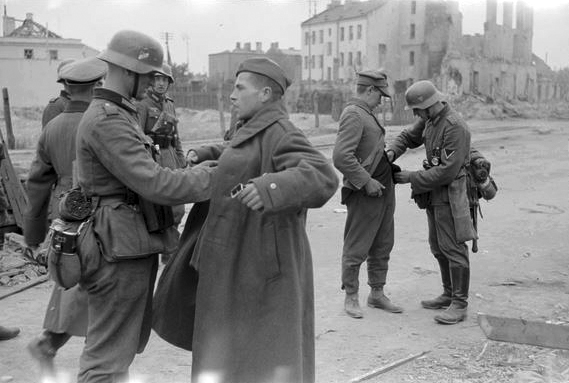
[[18, 264]]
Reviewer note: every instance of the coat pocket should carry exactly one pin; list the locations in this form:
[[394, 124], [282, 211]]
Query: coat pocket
[[460, 208], [271, 264], [122, 234]]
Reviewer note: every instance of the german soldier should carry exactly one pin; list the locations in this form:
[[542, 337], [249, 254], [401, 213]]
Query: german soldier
[[157, 117], [116, 168], [51, 173], [441, 189], [57, 104], [367, 192]]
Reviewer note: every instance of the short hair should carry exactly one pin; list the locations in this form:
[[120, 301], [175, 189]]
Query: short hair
[[260, 81], [80, 88], [361, 89]]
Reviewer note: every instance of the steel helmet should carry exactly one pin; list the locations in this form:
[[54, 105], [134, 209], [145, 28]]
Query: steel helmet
[[134, 51], [166, 72], [422, 95]]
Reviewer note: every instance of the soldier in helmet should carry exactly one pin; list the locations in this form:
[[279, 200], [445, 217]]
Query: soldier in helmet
[[57, 104], [129, 190], [157, 117], [51, 173], [368, 193], [441, 189]]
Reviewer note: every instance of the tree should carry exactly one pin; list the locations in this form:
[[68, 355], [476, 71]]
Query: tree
[[181, 73]]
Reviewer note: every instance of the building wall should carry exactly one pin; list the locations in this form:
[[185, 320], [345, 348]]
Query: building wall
[[32, 82]]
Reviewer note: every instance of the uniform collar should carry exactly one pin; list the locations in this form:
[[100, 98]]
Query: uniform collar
[[361, 103], [441, 114], [64, 94], [76, 106], [109, 95], [156, 97], [264, 118]]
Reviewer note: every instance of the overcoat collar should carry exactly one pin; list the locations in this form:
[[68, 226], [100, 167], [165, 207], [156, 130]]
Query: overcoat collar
[[362, 104], [264, 118]]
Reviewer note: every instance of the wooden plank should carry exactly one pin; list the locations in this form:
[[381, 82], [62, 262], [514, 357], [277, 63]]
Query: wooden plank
[[387, 367], [517, 330], [24, 286]]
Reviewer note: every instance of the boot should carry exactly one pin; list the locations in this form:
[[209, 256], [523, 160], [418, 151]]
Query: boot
[[456, 312], [442, 301], [43, 349], [8, 332], [352, 306], [378, 300]]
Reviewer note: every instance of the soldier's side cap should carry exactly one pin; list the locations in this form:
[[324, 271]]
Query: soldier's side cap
[[375, 78], [84, 71], [62, 64], [265, 67]]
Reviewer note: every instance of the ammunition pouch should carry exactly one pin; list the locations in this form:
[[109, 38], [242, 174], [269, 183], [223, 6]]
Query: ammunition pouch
[[163, 140], [423, 200]]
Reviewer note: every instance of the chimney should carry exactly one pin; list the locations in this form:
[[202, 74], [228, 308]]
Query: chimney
[[29, 16], [237, 46], [259, 47], [247, 46], [508, 14], [491, 11], [275, 45], [8, 24], [334, 4]]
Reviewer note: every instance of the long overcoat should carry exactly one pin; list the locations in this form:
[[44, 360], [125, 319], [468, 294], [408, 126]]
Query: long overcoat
[[255, 297], [51, 173]]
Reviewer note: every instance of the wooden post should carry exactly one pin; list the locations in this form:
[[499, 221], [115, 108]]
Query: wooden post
[[8, 119], [316, 114]]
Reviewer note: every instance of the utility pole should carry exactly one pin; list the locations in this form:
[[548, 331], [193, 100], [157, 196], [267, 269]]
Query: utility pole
[[186, 39], [167, 36]]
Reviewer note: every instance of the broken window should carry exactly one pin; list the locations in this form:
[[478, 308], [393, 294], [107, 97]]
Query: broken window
[[359, 31], [342, 34], [321, 36], [28, 54], [412, 31], [351, 32], [329, 48], [342, 59], [307, 38], [321, 61], [411, 58], [413, 7], [350, 58], [359, 58]]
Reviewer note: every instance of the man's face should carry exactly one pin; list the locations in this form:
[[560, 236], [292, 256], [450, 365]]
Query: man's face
[[246, 98], [161, 84], [144, 81], [421, 113]]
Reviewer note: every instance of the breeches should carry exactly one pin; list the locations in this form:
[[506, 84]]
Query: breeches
[[442, 238], [368, 236], [120, 315]]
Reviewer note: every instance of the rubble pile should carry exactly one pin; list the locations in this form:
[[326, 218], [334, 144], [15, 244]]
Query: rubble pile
[[17, 263]]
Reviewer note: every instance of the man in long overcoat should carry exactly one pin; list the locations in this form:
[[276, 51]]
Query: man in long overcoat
[[255, 296], [51, 173]]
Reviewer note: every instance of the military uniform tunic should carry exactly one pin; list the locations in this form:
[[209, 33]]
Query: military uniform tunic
[[54, 107], [113, 156], [447, 146], [369, 230]]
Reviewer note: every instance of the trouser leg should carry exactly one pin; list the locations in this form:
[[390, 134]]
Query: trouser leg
[[380, 250], [359, 233], [119, 296]]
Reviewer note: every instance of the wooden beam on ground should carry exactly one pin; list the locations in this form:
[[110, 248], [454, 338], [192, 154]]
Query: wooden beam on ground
[[517, 330], [387, 367], [24, 286]]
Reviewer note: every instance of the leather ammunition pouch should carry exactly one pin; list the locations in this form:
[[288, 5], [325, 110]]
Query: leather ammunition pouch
[[163, 140]]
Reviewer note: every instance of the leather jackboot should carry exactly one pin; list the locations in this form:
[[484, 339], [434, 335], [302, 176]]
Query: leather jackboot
[[8, 332], [378, 300], [456, 312], [352, 306], [442, 301], [43, 349]]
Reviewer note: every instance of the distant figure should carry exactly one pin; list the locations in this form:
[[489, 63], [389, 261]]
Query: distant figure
[[441, 189], [157, 117], [57, 105], [51, 173], [368, 193], [254, 319]]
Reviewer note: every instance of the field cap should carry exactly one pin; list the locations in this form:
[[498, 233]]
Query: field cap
[[375, 78], [265, 67], [84, 71]]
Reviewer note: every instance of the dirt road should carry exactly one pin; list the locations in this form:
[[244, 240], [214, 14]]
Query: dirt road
[[521, 270]]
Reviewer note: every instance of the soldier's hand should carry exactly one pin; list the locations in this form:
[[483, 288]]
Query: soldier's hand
[[402, 177], [374, 188], [390, 156], [192, 157], [207, 164], [250, 197]]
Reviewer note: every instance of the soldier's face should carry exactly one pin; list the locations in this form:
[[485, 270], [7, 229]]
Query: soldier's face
[[421, 113], [161, 84], [144, 81], [246, 98]]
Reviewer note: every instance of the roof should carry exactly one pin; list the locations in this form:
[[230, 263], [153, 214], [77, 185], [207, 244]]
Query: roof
[[30, 28], [351, 10]]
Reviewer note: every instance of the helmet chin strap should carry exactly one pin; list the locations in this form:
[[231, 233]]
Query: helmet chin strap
[[135, 87]]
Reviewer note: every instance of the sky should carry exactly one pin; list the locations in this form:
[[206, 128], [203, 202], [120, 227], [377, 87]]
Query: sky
[[197, 28]]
